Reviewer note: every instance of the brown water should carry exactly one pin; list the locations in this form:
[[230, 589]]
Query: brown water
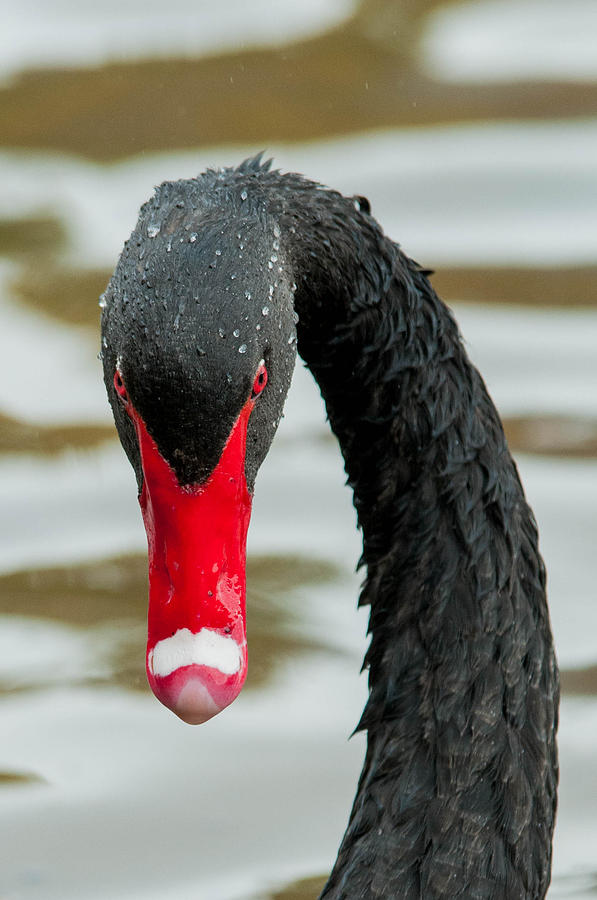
[[102, 793]]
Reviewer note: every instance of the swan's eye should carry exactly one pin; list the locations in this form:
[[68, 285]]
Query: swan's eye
[[260, 380], [119, 387]]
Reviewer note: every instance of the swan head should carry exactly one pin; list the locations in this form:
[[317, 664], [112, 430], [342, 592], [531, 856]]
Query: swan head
[[198, 349]]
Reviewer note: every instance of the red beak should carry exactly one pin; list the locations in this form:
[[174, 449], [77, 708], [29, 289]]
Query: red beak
[[196, 536]]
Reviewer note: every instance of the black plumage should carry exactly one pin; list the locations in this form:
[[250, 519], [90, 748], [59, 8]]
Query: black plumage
[[457, 796]]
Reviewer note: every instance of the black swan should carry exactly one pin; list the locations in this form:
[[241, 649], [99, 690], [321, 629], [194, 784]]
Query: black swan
[[224, 276]]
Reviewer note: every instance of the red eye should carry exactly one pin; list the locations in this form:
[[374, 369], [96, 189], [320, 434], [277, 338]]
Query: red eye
[[260, 379], [119, 387]]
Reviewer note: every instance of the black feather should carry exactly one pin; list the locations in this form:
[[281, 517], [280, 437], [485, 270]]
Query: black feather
[[457, 796]]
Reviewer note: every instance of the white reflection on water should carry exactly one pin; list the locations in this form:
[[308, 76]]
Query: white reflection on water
[[49, 373], [501, 193], [534, 360], [510, 40], [37, 34], [137, 806], [36, 652]]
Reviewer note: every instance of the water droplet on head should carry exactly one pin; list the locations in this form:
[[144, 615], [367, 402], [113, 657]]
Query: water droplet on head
[[248, 295], [243, 195], [236, 332], [242, 348], [102, 301], [193, 237], [218, 252], [265, 311], [270, 264], [153, 229], [221, 332]]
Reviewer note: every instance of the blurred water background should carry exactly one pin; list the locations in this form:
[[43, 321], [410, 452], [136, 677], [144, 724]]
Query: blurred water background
[[472, 128]]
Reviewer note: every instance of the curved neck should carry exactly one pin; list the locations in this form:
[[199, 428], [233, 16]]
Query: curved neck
[[457, 796]]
